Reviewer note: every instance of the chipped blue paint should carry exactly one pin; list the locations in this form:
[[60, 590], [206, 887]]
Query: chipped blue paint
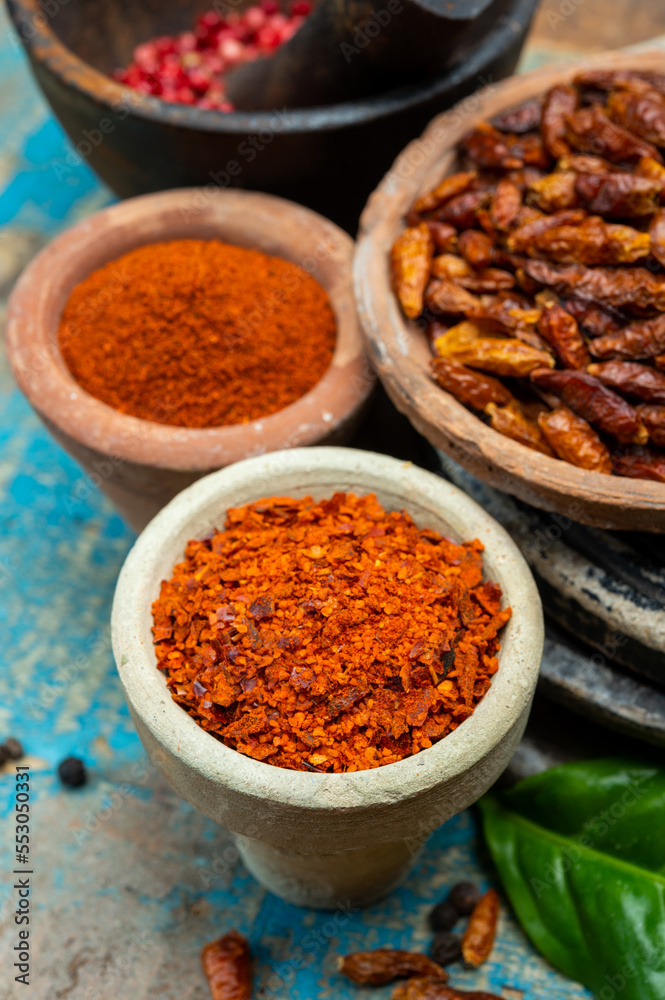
[[131, 881]]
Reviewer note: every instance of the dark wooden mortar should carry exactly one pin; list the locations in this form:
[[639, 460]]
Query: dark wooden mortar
[[328, 158]]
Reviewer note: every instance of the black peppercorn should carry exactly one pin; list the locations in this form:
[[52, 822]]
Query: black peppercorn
[[464, 896], [446, 948], [13, 748], [444, 916], [72, 772]]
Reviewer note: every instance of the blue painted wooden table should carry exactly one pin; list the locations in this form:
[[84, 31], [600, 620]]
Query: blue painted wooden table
[[129, 882]]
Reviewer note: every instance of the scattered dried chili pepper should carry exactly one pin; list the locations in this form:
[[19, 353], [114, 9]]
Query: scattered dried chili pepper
[[653, 418], [198, 333], [642, 339], [512, 422], [328, 634], [641, 110], [410, 262], [560, 329], [595, 320], [574, 440], [634, 287], [589, 130], [592, 242], [593, 401], [375, 968], [640, 463], [618, 195], [657, 236], [525, 117], [560, 101], [475, 389], [448, 188], [478, 939], [430, 988], [227, 964], [501, 356], [631, 378]]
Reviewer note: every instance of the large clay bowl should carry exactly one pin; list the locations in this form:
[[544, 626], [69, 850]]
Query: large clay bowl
[[139, 464], [137, 143], [401, 355], [316, 839]]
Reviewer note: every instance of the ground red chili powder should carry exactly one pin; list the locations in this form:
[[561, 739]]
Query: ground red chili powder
[[328, 635], [198, 333]]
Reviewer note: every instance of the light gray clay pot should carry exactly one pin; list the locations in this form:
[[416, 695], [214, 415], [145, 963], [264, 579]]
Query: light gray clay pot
[[325, 839], [139, 464]]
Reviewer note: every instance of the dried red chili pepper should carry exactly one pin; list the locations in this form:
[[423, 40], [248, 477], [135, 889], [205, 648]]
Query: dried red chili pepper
[[618, 195], [473, 388], [258, 632], [592, 242], [641, 339], [502, 356], [560, 101], [444, 236], [608, 79], [448, 188], [635, 287], [555, 192], [460, 211], [505, 205], [512, 422], [476, 247], [631, 378], [596, 321], [429, 988], [586, 163], [526, 117], [478, 939], [589, 130], [653, 418], [641, 111], [574, 440], [446, 297], [410, 260], [560, 329], [521, 239], [640, 463], [657, 236], [648, 167], [227, 964], [593, 401], [177, 341], [375, 968]]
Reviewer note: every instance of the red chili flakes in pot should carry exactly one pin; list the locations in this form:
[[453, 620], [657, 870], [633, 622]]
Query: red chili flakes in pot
[[328, 635]]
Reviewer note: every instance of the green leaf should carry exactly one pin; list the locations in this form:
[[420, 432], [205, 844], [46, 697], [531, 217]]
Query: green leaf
[[581, 853]]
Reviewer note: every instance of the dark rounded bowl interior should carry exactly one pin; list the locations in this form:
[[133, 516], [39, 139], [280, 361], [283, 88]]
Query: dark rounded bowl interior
[[328, 158]]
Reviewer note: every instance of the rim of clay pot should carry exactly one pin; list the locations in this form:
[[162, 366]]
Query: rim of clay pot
[[401, 354], [434, 503], [46, 48], [258, 221]]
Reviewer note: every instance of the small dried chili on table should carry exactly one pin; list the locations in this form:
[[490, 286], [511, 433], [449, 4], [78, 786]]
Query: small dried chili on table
[[227, 964], [375, 968]]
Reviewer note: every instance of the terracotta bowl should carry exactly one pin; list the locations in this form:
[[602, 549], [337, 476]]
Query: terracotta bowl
[[401, 354], [139, 464], [318, 839]]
